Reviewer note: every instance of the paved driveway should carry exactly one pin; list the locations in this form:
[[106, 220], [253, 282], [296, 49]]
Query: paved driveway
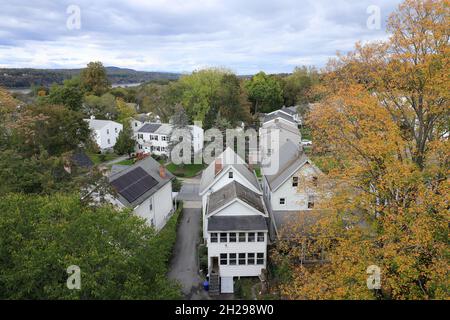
[[184, 264], [189, 192]]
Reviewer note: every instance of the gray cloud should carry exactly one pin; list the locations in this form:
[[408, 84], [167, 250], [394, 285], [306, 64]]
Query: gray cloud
[[176, 35]]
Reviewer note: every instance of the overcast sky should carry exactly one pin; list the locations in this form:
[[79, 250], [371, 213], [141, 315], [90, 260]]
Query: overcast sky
[[245, 36]]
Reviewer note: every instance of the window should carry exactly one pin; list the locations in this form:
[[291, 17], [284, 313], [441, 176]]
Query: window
[[310, 201], [314, 181], [223, 237], [109, 141], [107, 131], [140, 147], [135, 124], [295, 181], [223, 259], [241, 236], [250, 258], [241, 258], [233, 237], [156, 138], [232, 259], [230, 174], [251, 237], [282, 200], [214, 237], [260, 258], [260, 236], [151, 204], [115, 129]]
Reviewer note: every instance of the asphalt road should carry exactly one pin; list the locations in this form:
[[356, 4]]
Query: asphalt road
[[189, 192], [184, 264]]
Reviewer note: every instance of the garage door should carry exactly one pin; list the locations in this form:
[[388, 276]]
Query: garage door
[[226, 285]]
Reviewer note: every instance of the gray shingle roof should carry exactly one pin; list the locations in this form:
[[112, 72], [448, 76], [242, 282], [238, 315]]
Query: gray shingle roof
[[277, 114], [149, 127], [290, 159], [237, 223], [232, 191], [228, 158], [95, 124], [151, 167], [291, 222]]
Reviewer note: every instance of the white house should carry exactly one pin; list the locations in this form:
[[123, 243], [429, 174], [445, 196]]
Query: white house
[[236, 235], [105, 132], [273, 134], [146, 188], [155, 137], [226, 168], [293, 188]]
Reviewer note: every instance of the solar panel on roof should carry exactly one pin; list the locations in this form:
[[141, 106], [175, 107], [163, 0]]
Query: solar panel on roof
[[134, 184]]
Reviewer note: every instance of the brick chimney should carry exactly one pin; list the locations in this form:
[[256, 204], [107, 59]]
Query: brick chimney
[[217, 166], [162, 171]]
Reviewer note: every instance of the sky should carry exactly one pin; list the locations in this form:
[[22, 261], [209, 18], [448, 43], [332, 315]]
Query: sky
[[245, 36]]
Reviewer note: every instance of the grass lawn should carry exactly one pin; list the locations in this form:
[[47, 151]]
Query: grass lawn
[[98, 158], [128, 162], [186, 171]]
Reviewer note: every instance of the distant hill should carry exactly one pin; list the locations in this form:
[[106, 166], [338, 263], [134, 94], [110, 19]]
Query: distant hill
[[26, 77]]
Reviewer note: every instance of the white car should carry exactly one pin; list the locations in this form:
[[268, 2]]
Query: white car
[[306, 143]]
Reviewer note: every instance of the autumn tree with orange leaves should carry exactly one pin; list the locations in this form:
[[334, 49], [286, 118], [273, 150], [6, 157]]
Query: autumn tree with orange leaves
[[384, 121]]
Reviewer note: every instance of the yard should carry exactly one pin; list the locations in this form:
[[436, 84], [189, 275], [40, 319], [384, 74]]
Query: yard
[[185, 171], [98, 158]]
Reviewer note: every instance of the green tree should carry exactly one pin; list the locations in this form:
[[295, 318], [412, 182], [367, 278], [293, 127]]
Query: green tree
[[53, 128], [125, 142], [94, 78], [233, 104], [125, 111], [70, 94], [103, 107], [119, 255], [264, 92], [298, 87]]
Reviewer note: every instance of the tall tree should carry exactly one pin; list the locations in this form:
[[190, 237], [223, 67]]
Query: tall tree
[[233, 101], [264, 92], [408, 73], [125, 143], [94, 78], [70, 94], [119, 255], [389, 206], [298, 87]]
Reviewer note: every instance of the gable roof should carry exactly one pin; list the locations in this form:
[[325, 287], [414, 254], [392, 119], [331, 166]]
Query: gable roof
[[95, 124], [228, 158], [150, 167], [282, 126], [278, 114], [291, 158], [232, 191]]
